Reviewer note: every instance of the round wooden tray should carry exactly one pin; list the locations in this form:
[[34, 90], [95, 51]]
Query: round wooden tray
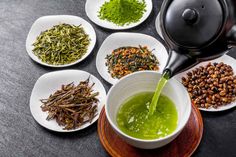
[[183, 146]]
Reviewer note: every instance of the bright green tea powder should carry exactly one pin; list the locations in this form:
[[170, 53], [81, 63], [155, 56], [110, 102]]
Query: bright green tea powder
[[133, 118], [122, 12]]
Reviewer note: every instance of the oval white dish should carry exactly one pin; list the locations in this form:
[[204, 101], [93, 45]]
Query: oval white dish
[[117, 40], [51, 82], [46, 22], [92, 10]]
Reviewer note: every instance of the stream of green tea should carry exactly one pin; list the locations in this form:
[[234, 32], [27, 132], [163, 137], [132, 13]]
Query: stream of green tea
[[148, 115], [161, 84]]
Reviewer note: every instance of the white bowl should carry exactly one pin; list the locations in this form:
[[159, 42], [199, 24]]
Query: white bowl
[[92, 8], [51, 82], [46, 22], [117, 40], [142, 82]]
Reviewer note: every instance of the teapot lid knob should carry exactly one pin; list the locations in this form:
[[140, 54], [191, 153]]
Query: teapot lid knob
[[192, 23], [190, 16]]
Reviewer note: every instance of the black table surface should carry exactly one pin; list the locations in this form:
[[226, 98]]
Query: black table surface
[[20, 135]]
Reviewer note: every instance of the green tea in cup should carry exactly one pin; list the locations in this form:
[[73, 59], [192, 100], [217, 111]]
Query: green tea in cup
[[133, 117]]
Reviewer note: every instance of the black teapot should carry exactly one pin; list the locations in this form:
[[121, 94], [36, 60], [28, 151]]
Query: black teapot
[[196, 31]]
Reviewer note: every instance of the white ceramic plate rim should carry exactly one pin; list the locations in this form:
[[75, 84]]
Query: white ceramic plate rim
[[110, 25], [103, 70], [225, 59], [101, 103], [55, 20]]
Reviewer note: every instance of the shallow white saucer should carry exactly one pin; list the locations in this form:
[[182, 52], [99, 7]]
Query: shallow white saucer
[[51, 82], [46, 22], [225, 59], [117, 40], [92, 8]]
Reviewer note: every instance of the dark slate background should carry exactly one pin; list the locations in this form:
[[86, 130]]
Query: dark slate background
[[21, 136]]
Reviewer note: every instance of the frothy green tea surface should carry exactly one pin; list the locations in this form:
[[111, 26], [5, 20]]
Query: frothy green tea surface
[[133, 118]]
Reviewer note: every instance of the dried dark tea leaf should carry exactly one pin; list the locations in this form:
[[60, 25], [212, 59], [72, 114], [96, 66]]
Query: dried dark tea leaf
[[72, 106]]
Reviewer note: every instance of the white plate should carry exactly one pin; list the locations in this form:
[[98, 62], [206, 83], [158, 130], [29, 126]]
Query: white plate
[[92, 8], [118, 40], [225, 59], [51, 82], [46, 22]]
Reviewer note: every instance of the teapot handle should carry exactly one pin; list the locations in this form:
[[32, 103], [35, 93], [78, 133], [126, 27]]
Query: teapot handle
[[231, 35]]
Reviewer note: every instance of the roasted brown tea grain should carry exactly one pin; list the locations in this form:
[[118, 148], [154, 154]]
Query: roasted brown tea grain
[[211, 86], [126, 60]]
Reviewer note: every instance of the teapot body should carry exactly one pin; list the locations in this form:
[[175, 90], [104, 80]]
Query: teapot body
[[196, 31]]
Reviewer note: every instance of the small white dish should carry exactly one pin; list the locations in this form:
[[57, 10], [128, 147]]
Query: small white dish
[[51, 82], [46, 22], [92, 8], [117, 40], [146, 81], [225, 59]]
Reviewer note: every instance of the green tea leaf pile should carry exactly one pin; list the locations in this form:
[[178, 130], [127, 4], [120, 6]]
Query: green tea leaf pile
[[122, 12], [62, 44]]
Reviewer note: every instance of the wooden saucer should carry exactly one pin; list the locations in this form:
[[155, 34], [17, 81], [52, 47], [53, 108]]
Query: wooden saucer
[[183, 146]]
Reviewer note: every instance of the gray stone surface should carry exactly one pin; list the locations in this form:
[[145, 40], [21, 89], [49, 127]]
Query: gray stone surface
[[21, 136]]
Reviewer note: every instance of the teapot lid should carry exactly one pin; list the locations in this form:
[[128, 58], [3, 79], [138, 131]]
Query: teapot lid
[[192, 23]]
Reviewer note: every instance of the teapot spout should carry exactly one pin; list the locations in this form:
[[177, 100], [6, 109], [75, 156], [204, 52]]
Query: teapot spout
[[178, 63]]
